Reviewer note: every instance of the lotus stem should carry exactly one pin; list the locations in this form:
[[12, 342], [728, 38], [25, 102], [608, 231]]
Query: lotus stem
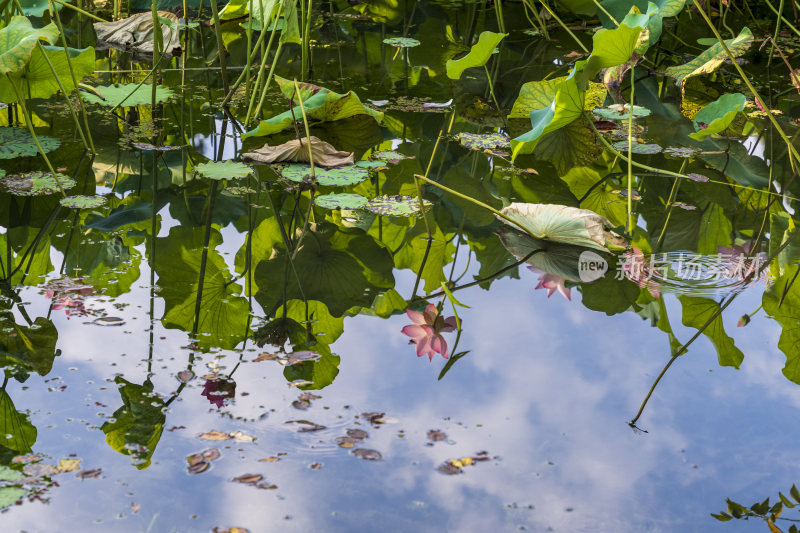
[[261, 67], [220, 45], [630, 155], [79, 10]]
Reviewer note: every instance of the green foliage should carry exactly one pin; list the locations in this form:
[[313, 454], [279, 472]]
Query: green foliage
[[712, 58], [16, 431], [718, 115], [138, 424], [83, 202], [478, 55], [37, 78], [35, 183], [223, 170], [128, 95], [697, 312], [16, 142], [340, 201], [18, 40], [327, 177]]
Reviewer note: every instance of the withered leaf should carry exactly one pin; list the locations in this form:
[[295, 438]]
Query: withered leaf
[[90, 473], [303, 426], [215, 435], [367, 454], [248, 479], [436, 435], [198, 467], [357, 434], [296, 150]]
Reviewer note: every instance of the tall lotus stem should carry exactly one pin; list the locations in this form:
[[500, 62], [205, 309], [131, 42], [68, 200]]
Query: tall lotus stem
[[220, 45]]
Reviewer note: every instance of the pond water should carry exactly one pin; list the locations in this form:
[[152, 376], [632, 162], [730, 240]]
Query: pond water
[[219, 345]]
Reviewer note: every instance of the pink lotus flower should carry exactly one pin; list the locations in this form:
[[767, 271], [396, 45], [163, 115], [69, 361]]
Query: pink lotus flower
[[426, 331], [552, 283]]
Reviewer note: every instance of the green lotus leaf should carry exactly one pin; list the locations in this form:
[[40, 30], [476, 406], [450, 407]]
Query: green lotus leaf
[[138, 424], [83, 202], [327, 177], [374, 163], [18, 40], [703, 314], [718, 115], [37, 183], [540, 94], [263, 10], [621, 112], [340, 201], [39, 78], [712, 58], [560, 223], [128, 95], [478, 55], [401, 42], [637, 147], [320, 104], [483, 141], [223, 170], [16, 431], [391, 156], [10, 495], [684, 152], [16, 142], [396, 206], [37, 8]]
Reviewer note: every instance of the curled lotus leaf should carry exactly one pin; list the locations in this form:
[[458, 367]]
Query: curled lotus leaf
[[396, 205], [16, 142], [333, 177], [83, 202], [401, 42], [483, 141], [621, 112], [35, 183], [296, 151], [341, 201], [478, 55], [136, 33], [561, 223], [127, 95], [223, 170], [637, 147]]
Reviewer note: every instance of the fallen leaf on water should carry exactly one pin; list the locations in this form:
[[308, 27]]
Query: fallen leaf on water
[[266, 486], [211, 454], [301, 404], [346, 442], [265, 357], [230, 530], [198, 467], [296, 150], [307, 396], [214, 435], [91, 473], [303, 426], [248, 479], [449, 469], [357, 434], [315, 466], [375, 418], [185, 376], [241, 436], [68, 465], [272, 459], [369, 455], [436, 435]]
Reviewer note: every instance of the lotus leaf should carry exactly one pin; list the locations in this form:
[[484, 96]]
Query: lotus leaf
[[718, 115], [401, 42], [35, 183], [18, 40], [223, 170], [340, 201], [127, 95], [637, 147], [136, 33], [396, 206], [39, 78], [712, 58], [83, 202], [333, 177], [325, 155], [478, 55]]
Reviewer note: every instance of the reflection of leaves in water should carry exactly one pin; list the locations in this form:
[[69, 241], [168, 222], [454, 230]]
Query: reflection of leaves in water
[[696, 312], [138, 423], [787, 314], [16, 431], [320, 373], [223, 313], [27, 348]]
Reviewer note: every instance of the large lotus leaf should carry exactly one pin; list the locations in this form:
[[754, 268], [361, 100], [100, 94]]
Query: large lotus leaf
[[16, 431], [712, 58], [436, 252], [583, 181], [39, 78], [136, 33], [478, 55], [263, 10], [782, 228], [296, 150], [138, 424], [128, 95], [540, 94], [36, 267], [734, 159], [223, 312], [718, 115], [17, 41], [223, 170], [16, 142], [611, 47], [319, 373], [37, 8], [32, 346], [696, 313], [560, 223], [337, 269], [570, 146], [554, 258], [786, 311], [320, 104], [10, 495], [291, 27]]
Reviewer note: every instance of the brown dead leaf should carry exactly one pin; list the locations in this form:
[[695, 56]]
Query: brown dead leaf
[[230, 530], [265, 357], [375, 418], [369, 455], [211, 454], [214, 435], [307, 396], [198, 467], [436, 435], [272, 459], [325, 155], [68, 465], [248, 479], [449, 468], [185, 376], [303, 426], [136, 33], [241, 436], [91, 473], [357, 434], [315, 466], [301, 404]]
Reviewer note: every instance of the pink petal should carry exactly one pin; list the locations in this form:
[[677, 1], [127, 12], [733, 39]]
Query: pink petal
[[416, 332], [424, 347], [439, 345], [430, 314], [416, 317], [450, 324]]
